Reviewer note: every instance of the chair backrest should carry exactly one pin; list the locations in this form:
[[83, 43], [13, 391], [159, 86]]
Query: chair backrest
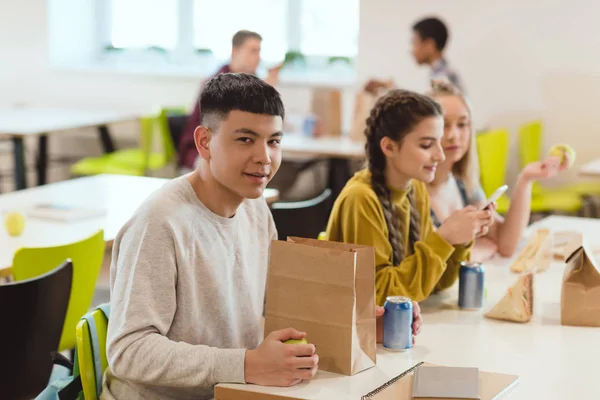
[[31, 329], [91, 350], [166, 135], [147, 129], [530, 143], [492, 149], [87, 256], [176, 127], [302, 218], [530, 146]]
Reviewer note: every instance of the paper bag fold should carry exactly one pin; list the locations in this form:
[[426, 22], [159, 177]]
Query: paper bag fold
[[580, 294], [517, 303], [326, 289]]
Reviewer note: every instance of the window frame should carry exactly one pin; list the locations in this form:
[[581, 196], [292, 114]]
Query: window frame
[[185, 54]]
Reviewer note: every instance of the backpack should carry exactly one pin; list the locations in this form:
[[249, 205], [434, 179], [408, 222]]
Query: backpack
[[65, 381]]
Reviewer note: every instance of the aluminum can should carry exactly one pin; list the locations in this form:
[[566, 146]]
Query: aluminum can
[[471, 285], [397, 323], [308, 127]]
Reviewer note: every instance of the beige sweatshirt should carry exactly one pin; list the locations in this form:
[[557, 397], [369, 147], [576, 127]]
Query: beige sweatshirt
[[187, 296]]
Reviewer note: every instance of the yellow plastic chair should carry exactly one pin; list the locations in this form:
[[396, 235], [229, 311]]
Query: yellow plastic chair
[[492, 150], [138, 161], [530, 150], [87, 256], [91, 334]]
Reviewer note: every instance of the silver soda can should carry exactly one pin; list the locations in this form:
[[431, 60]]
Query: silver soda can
[[309, 125], [397, 323], [471, 280]]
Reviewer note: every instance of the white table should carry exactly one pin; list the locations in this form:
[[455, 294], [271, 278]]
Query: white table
[[591, 169], [339, 150], [552, 361], [328, 146], [19, 123], [118, 195]]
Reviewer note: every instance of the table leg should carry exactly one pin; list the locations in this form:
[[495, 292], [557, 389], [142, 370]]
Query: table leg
[[107, 142], [19, 160], [42, 160]]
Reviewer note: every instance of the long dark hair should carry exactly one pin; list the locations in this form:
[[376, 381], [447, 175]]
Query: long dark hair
[[395, 115]]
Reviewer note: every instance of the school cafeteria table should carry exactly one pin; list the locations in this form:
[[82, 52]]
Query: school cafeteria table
[[591, 169], [551, 360], [338, 149], [117, 195], [19, 123]]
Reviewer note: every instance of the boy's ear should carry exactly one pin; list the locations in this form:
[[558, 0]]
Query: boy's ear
[[202, 137], [430, 45]]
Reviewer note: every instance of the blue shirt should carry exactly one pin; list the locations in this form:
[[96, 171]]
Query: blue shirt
[[441, 70]]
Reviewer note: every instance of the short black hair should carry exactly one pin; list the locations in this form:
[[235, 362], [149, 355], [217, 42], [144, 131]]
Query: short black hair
[[432, 28], [240, 37], [237, 91]]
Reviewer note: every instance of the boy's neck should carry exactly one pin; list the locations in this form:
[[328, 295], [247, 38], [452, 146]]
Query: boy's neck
[[435, 59], [216, 197]]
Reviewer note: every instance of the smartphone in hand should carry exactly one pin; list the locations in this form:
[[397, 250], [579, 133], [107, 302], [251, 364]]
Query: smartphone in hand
[[495, 196]]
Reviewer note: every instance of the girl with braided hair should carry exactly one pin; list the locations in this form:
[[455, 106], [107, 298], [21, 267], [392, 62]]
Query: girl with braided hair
[[386, 205], [456, 182]]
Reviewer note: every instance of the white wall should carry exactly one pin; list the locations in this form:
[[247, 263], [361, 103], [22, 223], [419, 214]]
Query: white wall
[[26, 77], [520, 60]]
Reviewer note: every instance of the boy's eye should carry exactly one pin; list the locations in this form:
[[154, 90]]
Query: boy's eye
[[426, 146], [275, 142], [245, 140]]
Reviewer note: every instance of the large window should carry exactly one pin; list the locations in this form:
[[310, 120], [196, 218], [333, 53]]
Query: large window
[[135, 24], [267, 17], [329, 28], [185, 30]]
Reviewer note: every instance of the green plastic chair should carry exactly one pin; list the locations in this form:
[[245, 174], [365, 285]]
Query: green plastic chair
[[543, 200], [91, 354], [492, 150], [530, 150], [87, 256], [138, 161], [530, 146]]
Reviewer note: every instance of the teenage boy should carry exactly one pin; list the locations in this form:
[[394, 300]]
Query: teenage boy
[[429, 39], [189, 268]]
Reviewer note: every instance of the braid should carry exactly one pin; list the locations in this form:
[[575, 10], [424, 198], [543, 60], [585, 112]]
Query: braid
[[393, 116], [414, 233], [389, 212]]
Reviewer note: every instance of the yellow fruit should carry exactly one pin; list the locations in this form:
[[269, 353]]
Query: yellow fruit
[[560, 151], [14, 222], [296, 341]]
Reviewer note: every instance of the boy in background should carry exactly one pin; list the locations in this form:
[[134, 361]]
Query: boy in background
[[429, 38], [245, 58]]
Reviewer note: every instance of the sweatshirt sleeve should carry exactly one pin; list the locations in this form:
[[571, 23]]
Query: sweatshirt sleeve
[[143, 305], [358, 218]]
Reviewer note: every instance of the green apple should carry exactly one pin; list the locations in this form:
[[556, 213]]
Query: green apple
[[296, 341], [561, 151], [14, 222]]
